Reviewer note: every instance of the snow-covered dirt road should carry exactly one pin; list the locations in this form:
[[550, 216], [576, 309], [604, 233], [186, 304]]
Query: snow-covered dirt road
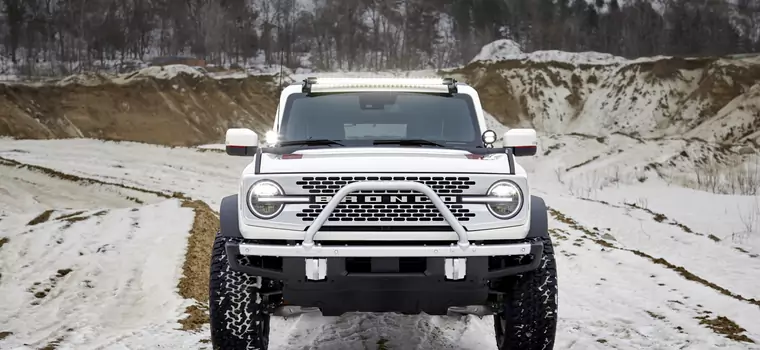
[[94, 235]]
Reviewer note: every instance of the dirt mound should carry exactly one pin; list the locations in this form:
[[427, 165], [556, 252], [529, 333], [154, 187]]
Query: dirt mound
[[709, 98], [652, 97], [180, 110]]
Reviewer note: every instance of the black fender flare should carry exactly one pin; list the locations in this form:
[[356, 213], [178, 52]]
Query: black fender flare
[[228, 217], [537, 237], [539, 220]]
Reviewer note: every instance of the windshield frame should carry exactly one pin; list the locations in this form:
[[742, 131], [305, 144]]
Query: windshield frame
[[476, 143]]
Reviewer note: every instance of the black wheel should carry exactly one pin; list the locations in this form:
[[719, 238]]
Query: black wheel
[[527, 319], [239, 319]]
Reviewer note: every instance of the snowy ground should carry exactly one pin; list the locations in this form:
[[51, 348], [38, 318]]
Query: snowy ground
[[108, 278]]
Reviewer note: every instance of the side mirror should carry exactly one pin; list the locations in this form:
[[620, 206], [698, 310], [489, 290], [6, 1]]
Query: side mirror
[[523, 142], [241, 142]]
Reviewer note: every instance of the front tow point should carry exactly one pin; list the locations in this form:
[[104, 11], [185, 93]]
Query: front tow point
[[316, 269], [455, 269]]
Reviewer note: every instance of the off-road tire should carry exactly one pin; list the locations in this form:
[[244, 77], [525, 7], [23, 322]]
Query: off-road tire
[[527, 319], [239, 320]]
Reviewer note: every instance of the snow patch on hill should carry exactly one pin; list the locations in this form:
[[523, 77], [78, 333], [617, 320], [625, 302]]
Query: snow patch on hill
[[498, 50], [504, 49]]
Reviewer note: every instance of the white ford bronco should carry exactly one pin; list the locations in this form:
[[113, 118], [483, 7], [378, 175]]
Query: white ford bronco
[[382, 195]]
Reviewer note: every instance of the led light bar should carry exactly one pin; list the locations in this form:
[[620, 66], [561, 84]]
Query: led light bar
[[327, 85]]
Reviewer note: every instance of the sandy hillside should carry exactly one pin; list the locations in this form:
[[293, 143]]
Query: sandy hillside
[[710, 99], [713, 99], [175, 105]]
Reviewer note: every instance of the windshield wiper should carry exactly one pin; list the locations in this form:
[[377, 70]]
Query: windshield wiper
[[413, 142], [316, 142]]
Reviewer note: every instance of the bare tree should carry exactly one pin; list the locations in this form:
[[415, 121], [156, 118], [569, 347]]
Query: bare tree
[[64, 36]]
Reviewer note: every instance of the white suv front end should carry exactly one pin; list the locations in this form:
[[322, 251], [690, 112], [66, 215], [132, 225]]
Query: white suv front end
[[384, 195]]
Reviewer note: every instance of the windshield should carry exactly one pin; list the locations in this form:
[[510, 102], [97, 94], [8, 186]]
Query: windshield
[[369, 116]]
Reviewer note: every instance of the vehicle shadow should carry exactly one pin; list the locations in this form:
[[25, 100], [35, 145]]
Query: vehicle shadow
[[382, 331]]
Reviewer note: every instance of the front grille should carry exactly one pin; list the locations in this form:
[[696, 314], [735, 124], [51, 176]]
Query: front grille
[[386, 212], [439, 184]]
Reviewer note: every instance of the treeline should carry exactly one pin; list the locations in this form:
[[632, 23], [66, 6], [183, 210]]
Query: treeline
[[76, 35]]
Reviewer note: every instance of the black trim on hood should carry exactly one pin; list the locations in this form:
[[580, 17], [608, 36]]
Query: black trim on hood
[[383, 172], [477, 151], [257, 164], [473, 150]]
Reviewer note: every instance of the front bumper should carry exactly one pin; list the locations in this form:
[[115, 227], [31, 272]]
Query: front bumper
[[510, 233], [452, 257], [402, 284], [334, 251], [527, 256]]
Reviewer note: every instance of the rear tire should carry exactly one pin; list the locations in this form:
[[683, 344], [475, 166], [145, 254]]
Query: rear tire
[[239, 320], [527, 319]]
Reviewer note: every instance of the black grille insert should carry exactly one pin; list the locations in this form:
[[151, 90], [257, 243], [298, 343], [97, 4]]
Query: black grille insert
[[384, 212], [439, 184]]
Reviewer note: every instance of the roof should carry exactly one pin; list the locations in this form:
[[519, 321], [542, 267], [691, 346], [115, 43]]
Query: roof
[[327, 85]]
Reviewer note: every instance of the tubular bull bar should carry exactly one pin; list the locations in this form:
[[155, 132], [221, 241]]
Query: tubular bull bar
[[316, 254]]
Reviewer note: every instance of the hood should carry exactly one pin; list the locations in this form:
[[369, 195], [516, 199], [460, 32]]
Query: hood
[[384, 160]]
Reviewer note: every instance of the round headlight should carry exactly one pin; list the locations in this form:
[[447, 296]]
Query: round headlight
[[261, 201], [505, 199]]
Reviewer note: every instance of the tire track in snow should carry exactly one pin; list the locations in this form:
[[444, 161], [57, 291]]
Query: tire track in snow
[[661, 261], [671, 291], [195, 316], [80, 179], [593, 236]]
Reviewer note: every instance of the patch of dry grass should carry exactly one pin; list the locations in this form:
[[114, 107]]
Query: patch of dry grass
[[72, 220], [44, 217], [659, 217], [136, 200], [214, 150], [40, 290], [694, 278], [559, 216], [582, 164], [726, 327], [62, 217], [53, 344], [655, 315], [196, 269]]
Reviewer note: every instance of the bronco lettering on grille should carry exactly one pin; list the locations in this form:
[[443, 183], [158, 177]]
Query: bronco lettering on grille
[[386, 199]]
